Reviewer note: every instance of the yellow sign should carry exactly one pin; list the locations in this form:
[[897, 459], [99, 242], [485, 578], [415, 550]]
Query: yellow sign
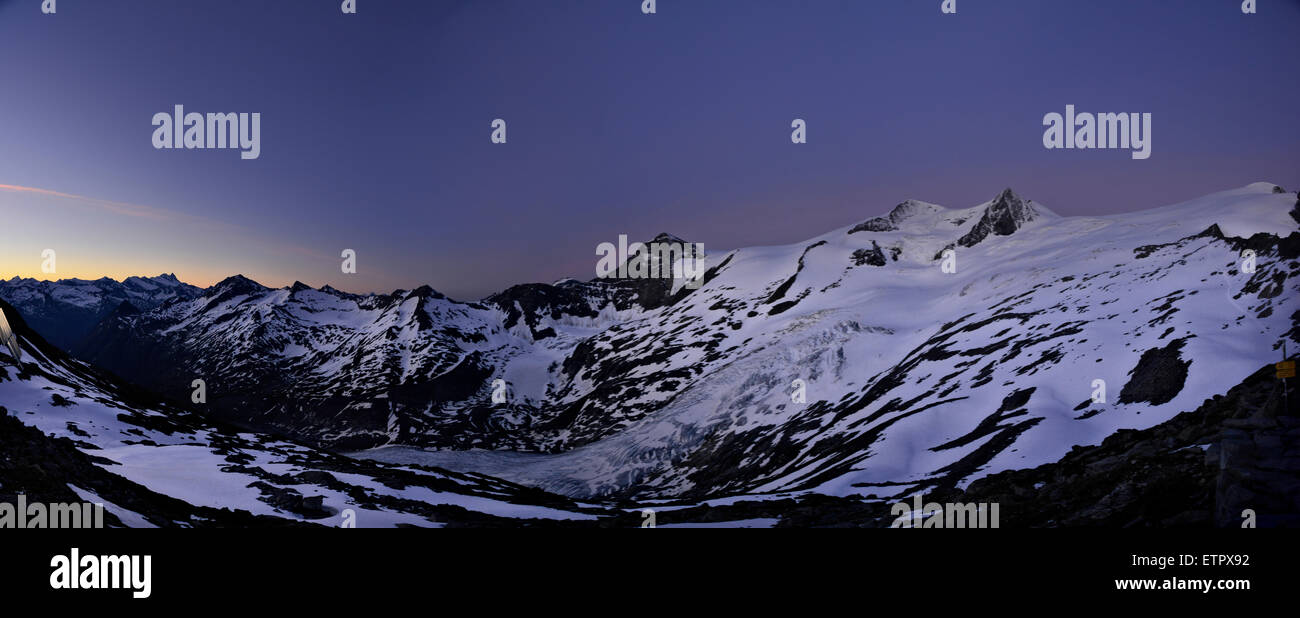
[[1286, 369]]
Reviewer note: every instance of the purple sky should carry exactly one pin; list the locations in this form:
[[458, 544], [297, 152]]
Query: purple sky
[[375, 126]]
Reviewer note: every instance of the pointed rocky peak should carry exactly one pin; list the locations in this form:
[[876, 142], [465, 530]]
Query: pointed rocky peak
[[422, 296], [299, 286], [665, 237], [1009, 208], [657, 248], [423, 291], [238, 284], [1007, 213]]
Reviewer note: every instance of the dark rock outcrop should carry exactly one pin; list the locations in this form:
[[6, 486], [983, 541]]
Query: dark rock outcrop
[[873, 256], [1158, 377]]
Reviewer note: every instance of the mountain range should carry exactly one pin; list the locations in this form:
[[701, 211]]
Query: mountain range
[[65, 311], [921, 350]]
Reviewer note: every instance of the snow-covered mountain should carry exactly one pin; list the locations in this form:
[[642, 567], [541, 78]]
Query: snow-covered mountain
[[70, 432], [351, 371], [65, 311], [932, 347]]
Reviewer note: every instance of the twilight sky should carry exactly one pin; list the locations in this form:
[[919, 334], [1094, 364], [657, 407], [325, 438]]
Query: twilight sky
[[375, 127]]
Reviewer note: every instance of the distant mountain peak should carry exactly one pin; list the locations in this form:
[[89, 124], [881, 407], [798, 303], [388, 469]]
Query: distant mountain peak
[[907, 208], [422, 292], [902, 212], [237, 284], [1007, 213], [665, 237]]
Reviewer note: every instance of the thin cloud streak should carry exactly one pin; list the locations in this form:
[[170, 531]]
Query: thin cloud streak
[[121, 208]]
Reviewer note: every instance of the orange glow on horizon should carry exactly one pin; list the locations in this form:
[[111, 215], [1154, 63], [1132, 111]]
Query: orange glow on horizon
[[194, 278]]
